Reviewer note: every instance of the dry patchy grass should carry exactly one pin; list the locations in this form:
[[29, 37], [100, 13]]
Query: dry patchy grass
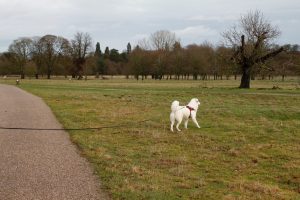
[[247, 148]]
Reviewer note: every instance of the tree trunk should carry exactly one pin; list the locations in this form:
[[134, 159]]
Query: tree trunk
[[246, 76], [22, 72], [195, 76], [49, 73]]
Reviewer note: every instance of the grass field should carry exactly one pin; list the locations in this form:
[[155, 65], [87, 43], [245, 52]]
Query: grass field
[[248, 146]]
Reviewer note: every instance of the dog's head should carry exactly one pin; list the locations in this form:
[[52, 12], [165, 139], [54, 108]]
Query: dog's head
[[194, 103]]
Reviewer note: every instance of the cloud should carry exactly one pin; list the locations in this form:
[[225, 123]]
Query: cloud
[[116, 22], [220, 18], [196, 31], [197, 34], [139, 37]]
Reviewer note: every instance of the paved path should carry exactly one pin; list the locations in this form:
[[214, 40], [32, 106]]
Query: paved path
[[39, 165]]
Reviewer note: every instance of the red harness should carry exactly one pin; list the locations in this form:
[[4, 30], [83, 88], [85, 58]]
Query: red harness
[[191, 109]]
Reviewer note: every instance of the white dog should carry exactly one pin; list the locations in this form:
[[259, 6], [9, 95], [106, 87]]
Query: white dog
[[179, 113]]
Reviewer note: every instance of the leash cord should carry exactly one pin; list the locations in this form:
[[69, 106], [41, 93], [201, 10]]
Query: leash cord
[[69, 129]]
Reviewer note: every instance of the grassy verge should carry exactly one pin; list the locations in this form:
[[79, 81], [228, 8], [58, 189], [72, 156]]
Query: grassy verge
[[248, 146]]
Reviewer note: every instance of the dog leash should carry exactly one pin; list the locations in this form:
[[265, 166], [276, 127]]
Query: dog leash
[[69, 129]]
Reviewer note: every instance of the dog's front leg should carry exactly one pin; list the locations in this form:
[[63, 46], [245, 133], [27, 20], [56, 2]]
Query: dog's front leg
[[195, 120], [172, 119]]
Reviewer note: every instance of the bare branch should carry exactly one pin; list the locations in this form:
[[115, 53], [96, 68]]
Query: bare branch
[[270, 55]]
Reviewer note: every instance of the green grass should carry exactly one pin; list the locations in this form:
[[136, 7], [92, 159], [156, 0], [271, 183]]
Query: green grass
[[248, 146]]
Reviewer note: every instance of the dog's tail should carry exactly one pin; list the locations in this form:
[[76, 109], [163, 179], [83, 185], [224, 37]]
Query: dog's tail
[[174, 106]]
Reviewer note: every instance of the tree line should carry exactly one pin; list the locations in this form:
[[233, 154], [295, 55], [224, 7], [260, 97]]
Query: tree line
[[247, 50]]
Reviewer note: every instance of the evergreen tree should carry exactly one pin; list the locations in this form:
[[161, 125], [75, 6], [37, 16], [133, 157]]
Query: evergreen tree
[[128, 48], [98, 50], [101, 68], [106, 53], [114, 55]]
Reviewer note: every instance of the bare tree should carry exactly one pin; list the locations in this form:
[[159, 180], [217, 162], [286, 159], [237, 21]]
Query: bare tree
[[200, 60], [6, 64], [284, 64], [162, 40], [37, 55], [139, 63], [20, 51], [52, 48], [177, 60], [251, 42], [224, 64], [80, 47], [144, 44]]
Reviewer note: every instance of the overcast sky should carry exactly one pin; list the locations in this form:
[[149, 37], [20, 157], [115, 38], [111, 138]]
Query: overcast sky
[[115, 23]]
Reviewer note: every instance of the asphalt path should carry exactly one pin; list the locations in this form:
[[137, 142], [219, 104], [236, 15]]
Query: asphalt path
[[39, 165]]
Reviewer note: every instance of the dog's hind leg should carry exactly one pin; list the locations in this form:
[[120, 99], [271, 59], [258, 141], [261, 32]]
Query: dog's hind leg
[[172, 124], [177, 125], [186, 123]]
